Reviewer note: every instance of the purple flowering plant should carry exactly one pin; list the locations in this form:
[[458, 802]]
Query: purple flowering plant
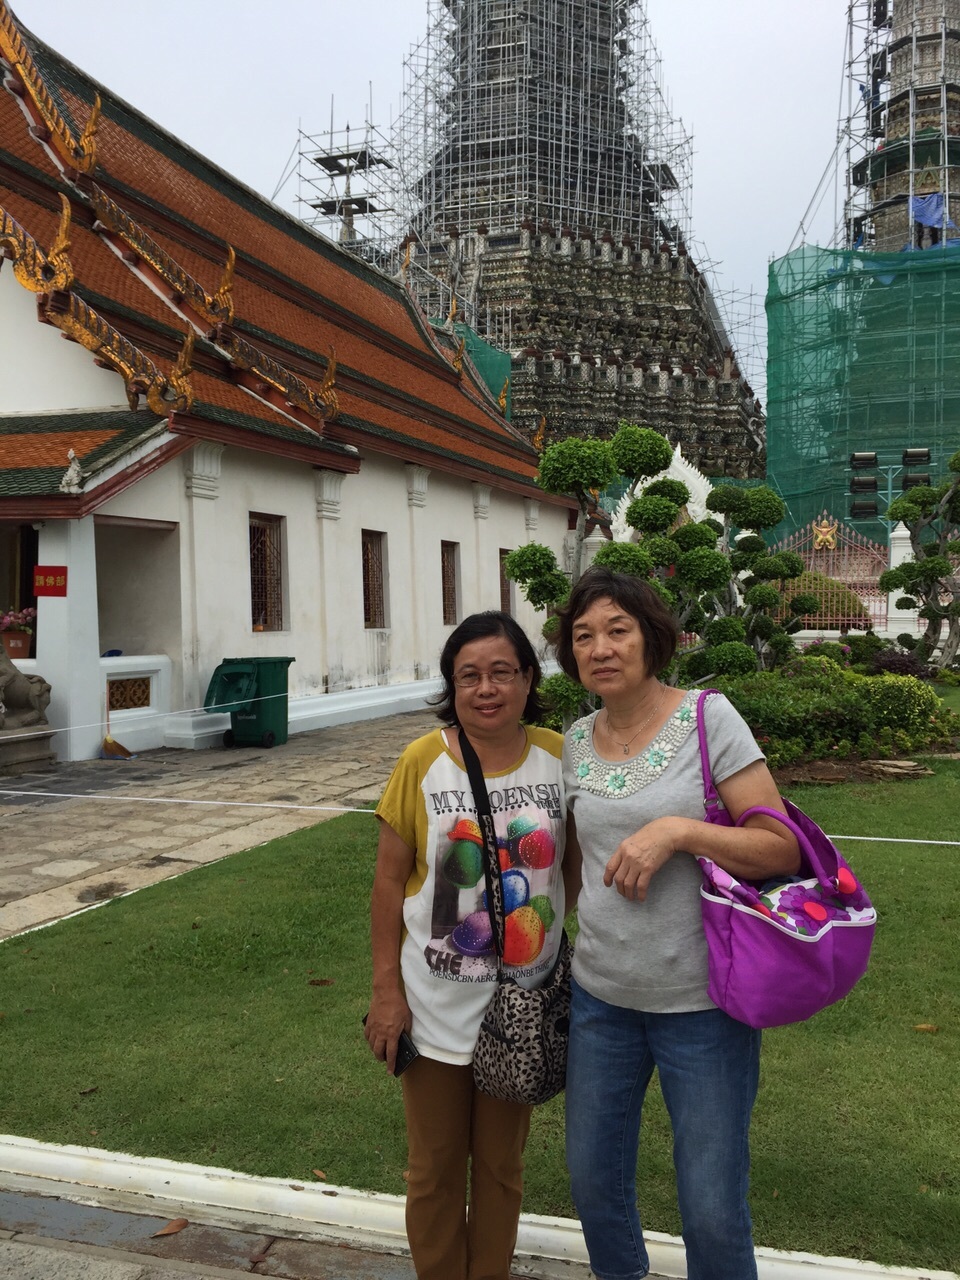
[[18, 620]]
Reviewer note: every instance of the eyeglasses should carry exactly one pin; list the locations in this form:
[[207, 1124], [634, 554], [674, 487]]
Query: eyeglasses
[[499, 675]]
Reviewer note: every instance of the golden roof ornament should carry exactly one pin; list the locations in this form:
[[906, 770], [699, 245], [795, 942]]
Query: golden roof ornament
[[502, 397], [86, 148], [459, 354], [179, 380], [30, 264], [222, 300], [59, 269], [327, 393], [540, 434]]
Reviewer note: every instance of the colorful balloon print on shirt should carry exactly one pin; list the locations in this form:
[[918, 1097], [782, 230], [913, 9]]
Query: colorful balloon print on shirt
[[524, 936], [516, 891], [537, 850], [473, 936], [463, 865]]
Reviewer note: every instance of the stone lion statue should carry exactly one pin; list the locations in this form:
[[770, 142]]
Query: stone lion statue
[[23, 699]]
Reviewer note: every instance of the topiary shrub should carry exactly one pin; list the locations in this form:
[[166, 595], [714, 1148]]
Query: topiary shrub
[[625, 557], [689, 536], [721, 630], [731, 658], [651, 515], [675, 490], [564, 701], [834, 599]]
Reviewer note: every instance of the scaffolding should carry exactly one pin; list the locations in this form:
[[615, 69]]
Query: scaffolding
[[901, 135], [559, 119]]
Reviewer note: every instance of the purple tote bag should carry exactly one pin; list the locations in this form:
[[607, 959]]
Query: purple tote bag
[[783, 950]]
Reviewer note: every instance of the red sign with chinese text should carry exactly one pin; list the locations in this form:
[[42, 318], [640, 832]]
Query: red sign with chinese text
[[50, 580]]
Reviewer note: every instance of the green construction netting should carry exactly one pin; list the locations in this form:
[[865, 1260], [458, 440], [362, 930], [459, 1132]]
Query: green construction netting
[[863, 356], [492, 364]]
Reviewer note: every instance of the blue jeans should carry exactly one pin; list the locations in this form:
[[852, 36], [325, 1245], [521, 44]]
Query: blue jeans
[[709, 1069]]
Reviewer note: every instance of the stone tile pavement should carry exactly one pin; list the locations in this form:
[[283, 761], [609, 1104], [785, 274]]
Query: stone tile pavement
[[92, 830]]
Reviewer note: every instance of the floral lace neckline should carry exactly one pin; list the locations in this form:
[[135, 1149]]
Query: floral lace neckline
[[613, 779]]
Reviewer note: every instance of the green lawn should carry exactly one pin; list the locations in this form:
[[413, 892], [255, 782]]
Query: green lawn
[[949, 695], [216, 1018]]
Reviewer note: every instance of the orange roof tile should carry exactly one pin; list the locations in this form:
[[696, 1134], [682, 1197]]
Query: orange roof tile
[[49, 449]]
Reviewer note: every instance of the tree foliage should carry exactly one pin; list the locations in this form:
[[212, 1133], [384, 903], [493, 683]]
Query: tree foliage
[[729, 594], [930, 579]]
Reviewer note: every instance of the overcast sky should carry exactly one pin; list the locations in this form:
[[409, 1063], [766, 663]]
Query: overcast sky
[[758, 82]]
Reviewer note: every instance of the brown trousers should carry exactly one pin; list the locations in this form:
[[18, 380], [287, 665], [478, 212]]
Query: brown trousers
[[448, 1122]]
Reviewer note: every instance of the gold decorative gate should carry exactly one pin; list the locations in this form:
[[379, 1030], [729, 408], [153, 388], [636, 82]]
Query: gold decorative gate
[[833, 549]]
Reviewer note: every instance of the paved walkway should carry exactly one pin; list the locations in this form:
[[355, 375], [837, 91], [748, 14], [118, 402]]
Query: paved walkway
[[91, 830], [48, 1238]]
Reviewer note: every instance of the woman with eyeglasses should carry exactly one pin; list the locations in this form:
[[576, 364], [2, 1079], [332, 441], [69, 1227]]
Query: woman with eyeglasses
[[434, 965]]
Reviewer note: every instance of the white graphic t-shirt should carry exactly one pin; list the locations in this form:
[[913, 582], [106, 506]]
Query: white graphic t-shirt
[[447, 957]]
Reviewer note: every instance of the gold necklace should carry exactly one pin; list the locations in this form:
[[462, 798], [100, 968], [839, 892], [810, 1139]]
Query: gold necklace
[[626, 745]]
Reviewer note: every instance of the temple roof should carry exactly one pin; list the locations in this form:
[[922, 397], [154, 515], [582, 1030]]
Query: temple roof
[[223, 317]]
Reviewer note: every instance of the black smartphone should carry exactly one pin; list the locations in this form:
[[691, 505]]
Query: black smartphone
[[407, 1051]]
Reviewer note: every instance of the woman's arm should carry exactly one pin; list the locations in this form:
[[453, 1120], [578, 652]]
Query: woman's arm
[[389, 1012], [572, 866], [762, 847]]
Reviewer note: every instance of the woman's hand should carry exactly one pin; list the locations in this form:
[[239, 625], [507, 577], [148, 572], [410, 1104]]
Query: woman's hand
[[389, 1014], [639, 857]]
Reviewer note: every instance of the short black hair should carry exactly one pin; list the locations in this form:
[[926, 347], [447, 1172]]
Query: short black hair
[[634, 596], [480, 626]]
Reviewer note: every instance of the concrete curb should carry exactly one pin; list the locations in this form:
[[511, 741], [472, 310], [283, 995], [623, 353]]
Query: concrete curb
[[546, 1247]]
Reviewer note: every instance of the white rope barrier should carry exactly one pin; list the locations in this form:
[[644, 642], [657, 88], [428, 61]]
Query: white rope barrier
[[330, 808], [223, 804]]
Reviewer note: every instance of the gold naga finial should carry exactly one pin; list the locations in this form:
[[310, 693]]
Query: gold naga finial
[[58, 274], [327, 393], [502, 397], [541, 433], [86, 152], [179, 379], [223, 299], [451, 315], [458, 357], [405, 265]]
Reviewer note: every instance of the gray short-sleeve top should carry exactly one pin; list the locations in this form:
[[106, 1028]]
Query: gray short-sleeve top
[[649, 955]]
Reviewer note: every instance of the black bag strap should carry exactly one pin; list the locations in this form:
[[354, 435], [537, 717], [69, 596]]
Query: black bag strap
[[491, 854]]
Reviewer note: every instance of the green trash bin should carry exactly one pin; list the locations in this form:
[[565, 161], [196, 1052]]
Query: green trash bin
[[254, 691]]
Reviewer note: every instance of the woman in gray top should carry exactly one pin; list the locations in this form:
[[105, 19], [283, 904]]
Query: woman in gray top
[[640, 1003]]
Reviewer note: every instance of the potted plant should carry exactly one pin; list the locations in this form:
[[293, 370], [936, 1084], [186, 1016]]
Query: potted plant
[[16, 631]]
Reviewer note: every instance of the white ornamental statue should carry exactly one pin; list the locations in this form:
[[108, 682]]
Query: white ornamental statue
[[679, 469]]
